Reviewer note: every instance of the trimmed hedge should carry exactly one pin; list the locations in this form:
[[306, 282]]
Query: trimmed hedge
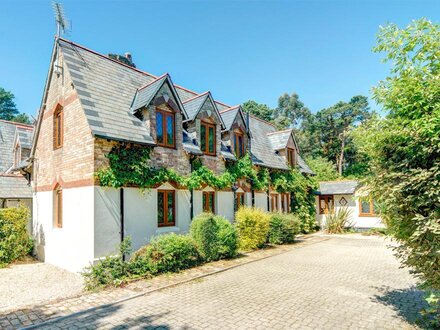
[[283, 228], [15, 242], [214, 236], [252, 226]]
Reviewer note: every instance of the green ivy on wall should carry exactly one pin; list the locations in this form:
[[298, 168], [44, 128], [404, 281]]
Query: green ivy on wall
[[130, 165]]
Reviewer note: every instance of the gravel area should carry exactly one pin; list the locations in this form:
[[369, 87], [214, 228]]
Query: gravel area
[[25, 285]]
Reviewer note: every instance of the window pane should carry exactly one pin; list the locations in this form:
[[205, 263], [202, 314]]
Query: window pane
[[240, 146], [236, 144], [204, 202], [160, 208], [203, 137], [170, 130], [365, 206], [211, 203], [211, 139], [159, 127], [170, 207]]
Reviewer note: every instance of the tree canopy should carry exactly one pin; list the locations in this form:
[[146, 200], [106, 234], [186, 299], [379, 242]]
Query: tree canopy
[[8, 108]]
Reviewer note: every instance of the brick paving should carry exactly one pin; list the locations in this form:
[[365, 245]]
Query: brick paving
[[341, 282]]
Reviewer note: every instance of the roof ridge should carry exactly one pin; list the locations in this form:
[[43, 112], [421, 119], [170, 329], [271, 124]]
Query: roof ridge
[[278, 132], [152, 82], [229, 109], [262, 120], [106, 57], [195, 97], [30, 126]]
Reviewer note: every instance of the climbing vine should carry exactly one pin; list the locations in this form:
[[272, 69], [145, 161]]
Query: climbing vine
[[130, 165]]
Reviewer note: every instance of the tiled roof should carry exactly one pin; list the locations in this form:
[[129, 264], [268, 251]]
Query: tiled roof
[[190, 145], [227, 153], [14, 186], [8, 130], [261, 148], [303, 167], [106, 89], [279, 139], [193, 105], [145, 94], [337, 187], [229, 115]]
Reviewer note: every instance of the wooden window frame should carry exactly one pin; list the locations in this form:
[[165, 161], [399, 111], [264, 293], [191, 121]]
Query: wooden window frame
[[165, 193], [207, 126], [291, 157], [326, 199], [372, 213], [239, 153], [166, 114], [205, 203], [58, 127], [274, 202], [58, 207], [285, 202], [240, 199]]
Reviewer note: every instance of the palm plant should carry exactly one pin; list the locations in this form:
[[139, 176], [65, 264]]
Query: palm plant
[[339, 221]]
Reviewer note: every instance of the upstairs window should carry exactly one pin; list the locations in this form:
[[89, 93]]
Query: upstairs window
[[165, 129], [166, 204], [207, 138], [366, 208], [58, 207], [58, 127], [239, 144], [291, 157], [208, 201], [326, 204]]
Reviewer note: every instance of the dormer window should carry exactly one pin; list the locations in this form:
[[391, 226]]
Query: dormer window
[[17, 154], [165, 128], [239, 144], [291, 159], [207, 138], [58, 128]]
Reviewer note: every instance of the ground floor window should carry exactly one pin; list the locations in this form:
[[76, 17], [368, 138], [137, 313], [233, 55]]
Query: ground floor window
[[239, 200], [274, 202], [326, 204], [166, 208], [58, 207], [366, 208], [208, 201]]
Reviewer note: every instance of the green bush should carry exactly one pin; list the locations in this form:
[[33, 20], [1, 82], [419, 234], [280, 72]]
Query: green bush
[[165, 253], [15, 241], [252, 227], [214, 237], [110, 271], [283, 228]]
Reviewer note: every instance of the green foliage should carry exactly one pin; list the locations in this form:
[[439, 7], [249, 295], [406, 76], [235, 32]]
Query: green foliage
[[8, 109], [283, 228], [376, 231], [214, 236], [324, 169], [22, 118], [110, 271], [252, 225], [404, 147], [261, 111], [339, 221], [165, 253], [15, 242], [290, 111]]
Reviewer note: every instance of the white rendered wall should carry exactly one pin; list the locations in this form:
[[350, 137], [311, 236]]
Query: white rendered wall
[[353, 205], [225, 204], [261, 201], [69, 247]]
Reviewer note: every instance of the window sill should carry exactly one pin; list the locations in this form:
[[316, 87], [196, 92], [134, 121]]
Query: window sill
[[165, 229]]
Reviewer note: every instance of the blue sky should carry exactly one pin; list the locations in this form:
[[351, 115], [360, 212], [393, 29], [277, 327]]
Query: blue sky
[[238, 50]]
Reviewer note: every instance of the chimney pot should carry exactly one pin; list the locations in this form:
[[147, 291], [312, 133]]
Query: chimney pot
[[128, 56]]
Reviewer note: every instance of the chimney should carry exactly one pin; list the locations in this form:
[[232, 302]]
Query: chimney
[[128, 56]]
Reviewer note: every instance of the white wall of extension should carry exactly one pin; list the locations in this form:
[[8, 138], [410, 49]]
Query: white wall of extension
[[69, 247], [359, 222], [261, 201]]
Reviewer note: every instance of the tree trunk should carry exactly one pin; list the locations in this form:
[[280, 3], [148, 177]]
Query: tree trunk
[[340, 161]]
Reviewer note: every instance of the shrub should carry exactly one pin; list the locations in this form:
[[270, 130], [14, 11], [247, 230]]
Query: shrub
[[110, 271], [252, 227], [283, 228], [339, 221], [15, 241], [214, 237], [165, 253]]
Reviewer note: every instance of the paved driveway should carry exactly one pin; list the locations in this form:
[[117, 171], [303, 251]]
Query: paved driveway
[[340, 283]]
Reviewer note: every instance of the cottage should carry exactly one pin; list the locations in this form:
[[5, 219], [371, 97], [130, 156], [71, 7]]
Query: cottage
[[15, 148], [334, 195], [93, 103]]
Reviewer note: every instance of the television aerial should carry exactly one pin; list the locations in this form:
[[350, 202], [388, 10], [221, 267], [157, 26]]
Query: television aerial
[[63, 26]]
